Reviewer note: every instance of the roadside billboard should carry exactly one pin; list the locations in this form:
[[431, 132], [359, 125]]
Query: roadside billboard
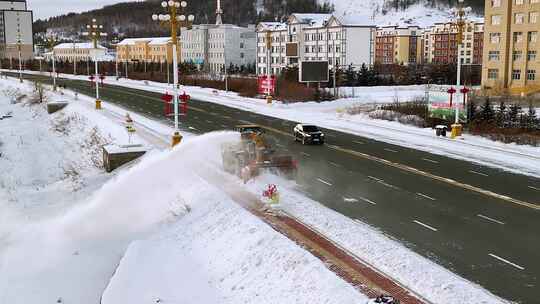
[[445, 111], [314, 71]]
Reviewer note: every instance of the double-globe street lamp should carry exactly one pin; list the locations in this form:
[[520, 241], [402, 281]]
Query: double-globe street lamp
[[176, 18], [95, 31], [460, 25]]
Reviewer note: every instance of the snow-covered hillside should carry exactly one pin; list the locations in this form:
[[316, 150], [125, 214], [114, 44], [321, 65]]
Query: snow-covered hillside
[[421, 14]]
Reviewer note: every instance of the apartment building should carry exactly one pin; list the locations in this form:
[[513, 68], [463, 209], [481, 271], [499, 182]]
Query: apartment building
[[440, 45], [342, 41], [398, 45], [511, 47], [215, 46], [78, 51], [156, 49], [16, 30]]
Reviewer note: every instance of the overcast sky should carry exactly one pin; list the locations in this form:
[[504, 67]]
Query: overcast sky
[[48, 8]]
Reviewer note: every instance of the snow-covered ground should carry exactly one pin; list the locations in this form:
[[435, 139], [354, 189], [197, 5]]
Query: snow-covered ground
[[196, 244], [521, 159]]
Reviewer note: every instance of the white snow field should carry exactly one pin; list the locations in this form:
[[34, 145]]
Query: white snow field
[[522, 159]]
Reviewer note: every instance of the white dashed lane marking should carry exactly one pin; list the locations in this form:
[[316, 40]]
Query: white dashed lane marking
[[335, 164], [490, 219], [358, 142], [324, 182], [426, 196], [478, 173], [425, 225], [368, 201], [305, 154], [506, 261], [430, 160], [390, 150], [534, 188]]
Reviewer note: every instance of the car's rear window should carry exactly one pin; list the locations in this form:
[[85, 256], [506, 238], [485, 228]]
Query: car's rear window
[[310, 129]]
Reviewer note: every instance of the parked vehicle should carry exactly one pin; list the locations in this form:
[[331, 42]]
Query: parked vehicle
[[308, 134]]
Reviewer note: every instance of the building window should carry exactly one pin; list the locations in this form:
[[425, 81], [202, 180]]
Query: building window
[[495, 19], [494, 37], [533, 17], [517, 55], [518, 37], [531, 74], [518, 2], [531, 55], [493, 73], [495, 3], [519, 18], [531, 37], [516, 74]]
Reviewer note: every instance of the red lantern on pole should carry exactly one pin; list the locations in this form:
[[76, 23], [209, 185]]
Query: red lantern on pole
[[184, 98], [167, 101], [451, 91], [464, 91]]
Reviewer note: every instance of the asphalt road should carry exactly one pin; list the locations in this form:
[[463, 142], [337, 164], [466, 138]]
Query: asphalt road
[[462, 225]]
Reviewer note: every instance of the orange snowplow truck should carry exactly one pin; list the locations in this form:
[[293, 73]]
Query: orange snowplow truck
[[253, 153]]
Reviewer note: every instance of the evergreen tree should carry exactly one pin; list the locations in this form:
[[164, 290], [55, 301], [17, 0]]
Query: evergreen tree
[[514, 115], [486, 112], [500, 117]]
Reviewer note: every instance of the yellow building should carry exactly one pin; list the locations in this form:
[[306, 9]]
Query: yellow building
[[398, 45], [511, 46], [145, 49]]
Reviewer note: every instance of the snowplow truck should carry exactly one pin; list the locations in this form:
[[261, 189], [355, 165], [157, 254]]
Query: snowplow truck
[[252, 154]]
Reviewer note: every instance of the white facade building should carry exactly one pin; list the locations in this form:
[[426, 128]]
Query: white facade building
[[78, 51], [16, 30], [342, 41], [214, 47]]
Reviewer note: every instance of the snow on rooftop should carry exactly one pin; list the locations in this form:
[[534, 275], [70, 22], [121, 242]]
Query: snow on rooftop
[[150, 40], [314, 20], [79, 45]]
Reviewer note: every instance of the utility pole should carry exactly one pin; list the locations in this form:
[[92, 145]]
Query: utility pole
[[175, 17], [95, 32]]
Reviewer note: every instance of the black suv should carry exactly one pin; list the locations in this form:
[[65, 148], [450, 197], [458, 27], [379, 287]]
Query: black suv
[[308, 134]]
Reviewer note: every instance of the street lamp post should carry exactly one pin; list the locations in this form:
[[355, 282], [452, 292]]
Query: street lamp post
[[51, 42], [20, 56], [175, 17], [95, 32], [74, 58], [460, 24]]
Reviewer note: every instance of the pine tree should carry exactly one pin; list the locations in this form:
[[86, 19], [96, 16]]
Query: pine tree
[[486, 112], [514, 115], [531, 120], [500, 117]]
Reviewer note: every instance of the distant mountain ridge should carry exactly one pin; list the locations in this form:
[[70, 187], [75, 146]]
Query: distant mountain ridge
[[133, 19]]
